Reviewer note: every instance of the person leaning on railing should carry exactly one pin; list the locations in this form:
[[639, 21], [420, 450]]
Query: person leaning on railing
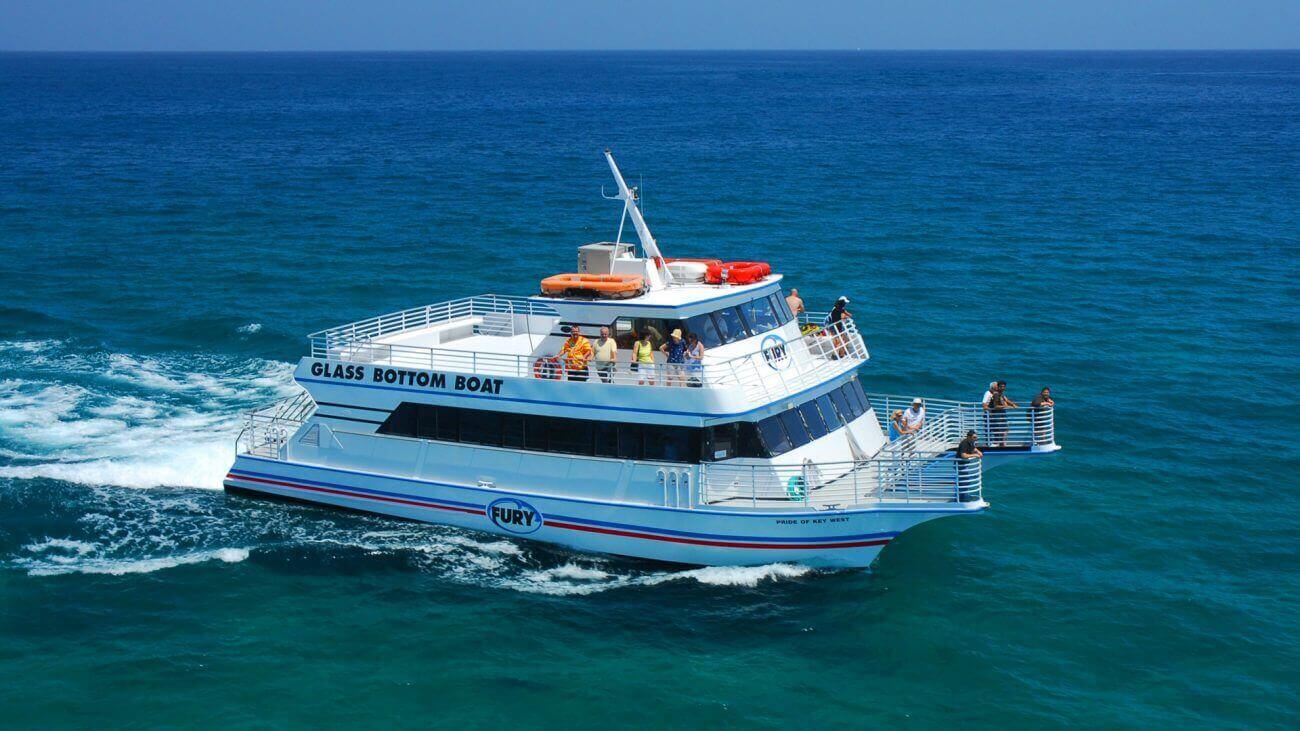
[[576, 352], [606, 354], [833, 323], [1042, 414], [966, 452], [643, 360]]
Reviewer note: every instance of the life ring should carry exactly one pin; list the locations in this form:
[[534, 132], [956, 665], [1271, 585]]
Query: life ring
[[796, 487], [546, 368], [600, 285], [737, 272]]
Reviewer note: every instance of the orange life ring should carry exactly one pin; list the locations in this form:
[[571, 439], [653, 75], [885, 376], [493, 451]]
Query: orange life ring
[[601, 285], [737, 272], [546, 368]]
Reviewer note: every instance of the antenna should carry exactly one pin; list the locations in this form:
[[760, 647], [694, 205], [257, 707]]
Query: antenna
[[629, 198]]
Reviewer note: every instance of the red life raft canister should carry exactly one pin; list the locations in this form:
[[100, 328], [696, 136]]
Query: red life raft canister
[[737, 272]]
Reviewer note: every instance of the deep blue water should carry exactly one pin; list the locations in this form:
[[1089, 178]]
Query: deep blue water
[[1122, 227]]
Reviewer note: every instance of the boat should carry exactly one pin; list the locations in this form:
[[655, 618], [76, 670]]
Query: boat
[[769, 449]]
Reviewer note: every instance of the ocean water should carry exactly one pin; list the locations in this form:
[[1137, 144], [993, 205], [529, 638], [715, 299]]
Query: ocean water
[[1122, 227]]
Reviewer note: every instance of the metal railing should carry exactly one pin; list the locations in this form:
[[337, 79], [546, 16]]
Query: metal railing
[[892, 478], [948, 421], [497, 315], [772, 373], [267, 430]]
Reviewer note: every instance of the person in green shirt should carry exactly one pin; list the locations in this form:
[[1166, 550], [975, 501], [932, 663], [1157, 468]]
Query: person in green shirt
[[643, 360]]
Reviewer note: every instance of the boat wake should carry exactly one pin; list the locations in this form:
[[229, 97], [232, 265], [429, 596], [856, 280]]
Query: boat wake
[[99, 418]]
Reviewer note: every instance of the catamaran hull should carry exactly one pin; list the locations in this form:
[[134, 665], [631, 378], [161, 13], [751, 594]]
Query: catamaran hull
[[700, 536]]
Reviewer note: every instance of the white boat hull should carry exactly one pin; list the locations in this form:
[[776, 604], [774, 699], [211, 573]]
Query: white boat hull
[[700, 536]]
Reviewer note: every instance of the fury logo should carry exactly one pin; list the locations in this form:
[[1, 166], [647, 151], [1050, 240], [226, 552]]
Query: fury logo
[[514, 515]]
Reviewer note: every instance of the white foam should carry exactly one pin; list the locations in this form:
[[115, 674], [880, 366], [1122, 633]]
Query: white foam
[[740, 575], [101, 418], [250, 328], [119, 567]]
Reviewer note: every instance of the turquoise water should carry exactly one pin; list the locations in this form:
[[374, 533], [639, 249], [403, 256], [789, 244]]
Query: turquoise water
[[1122, 227]]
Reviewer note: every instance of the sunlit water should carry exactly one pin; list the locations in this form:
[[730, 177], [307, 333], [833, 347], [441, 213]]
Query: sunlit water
[[1122, 227]]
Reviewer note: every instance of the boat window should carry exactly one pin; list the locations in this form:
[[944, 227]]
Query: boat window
[[855, 391], [781, 307], [730, 327], [748, 444], [512, 431], [703, 326], [670, 443], [760, 315], [855, 404], [813, 418], [606, 438], [449, 425], [842, 403], [794, 426], [769, 437], [774, 436], [629, 441], [480, 427], [656, 328], [571, 436], [535, 433], [829, 412], [722, 442]]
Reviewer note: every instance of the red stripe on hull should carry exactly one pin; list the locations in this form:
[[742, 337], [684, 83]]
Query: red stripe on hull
[[563, 525]]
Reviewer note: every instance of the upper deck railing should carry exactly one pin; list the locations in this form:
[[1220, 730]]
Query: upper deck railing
[[498, 312], [267, 430], [778, 371]]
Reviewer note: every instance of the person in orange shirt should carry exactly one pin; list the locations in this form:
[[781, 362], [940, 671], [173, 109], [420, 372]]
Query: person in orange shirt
[[576, 353]]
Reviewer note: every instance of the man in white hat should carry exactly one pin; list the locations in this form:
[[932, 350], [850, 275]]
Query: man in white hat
[[914, 417]]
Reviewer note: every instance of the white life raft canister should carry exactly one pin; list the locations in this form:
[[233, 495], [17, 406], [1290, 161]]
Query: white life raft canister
[[687, 271]]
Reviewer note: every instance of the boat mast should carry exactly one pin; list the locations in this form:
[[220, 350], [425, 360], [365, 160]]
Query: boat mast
[[648, 244]]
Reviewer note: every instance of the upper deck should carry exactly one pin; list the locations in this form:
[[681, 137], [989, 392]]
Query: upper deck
[[508, 339]]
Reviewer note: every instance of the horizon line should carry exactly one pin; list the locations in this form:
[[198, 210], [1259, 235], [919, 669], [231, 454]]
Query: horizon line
[[654, 50]]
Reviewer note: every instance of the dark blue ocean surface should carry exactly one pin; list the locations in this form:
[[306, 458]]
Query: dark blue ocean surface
[[1122, 227]]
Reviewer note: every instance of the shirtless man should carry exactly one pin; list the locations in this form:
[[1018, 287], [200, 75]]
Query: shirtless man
[[795, 304]]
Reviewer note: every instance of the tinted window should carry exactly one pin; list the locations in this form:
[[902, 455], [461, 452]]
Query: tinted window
[[512, 430], [748, 444], [730, 327], [774, 436], [703, 326], [722, 442], [855, 391], [813, 418], [480, 427], [794, 427], [572, 436], [854, 403], [629, 441], [829, 412], [449, 425], [535, 432], [760, 315], [782, 308], [606, 439], [842, 403], [669, 443]]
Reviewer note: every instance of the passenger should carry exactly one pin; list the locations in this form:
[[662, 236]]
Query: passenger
[[675, 348], [576, 352], [997, 408], [694, 361], [967, 477], [1043, 404], [643, 360], [794, 302], [984, 405], [897, 428], [914, 417], [606, 355], [838, 313]]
